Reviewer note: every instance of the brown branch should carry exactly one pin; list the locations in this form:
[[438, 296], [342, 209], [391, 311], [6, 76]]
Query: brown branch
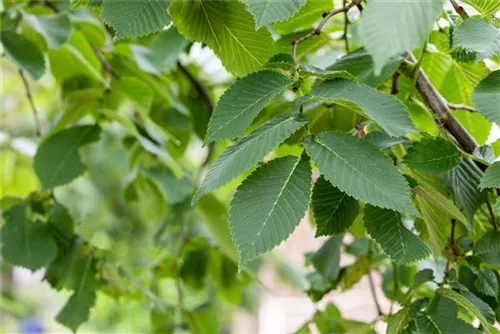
[[395, 83], [49, 4], [459, 9], [317, 30], [454, 106], [374, 294], [38, 125], [492, 216], [451, 250], [108, 69], [205, 95], [439, 106]]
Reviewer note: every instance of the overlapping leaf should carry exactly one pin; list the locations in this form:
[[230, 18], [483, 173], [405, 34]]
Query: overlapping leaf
[[488, 248], [486, 97], [491, 178], [23, 52], [334, 211], [435, 155], [55, 29], [327, 259], [479, 36], [360, 170], [247, 151], [385, 109], [269, 205], [270, 11], [387, 229], [57, 161], [242, 102], [135, 18], [401, 26], [228, 29], [486, 7]]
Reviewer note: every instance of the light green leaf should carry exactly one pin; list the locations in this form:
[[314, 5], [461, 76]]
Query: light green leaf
[[387, 229], [77, 308], [57, 161], [269, 205], [360, 64], [470, 308], [334, 211], [484, 308], [386, 110], [463, 182], [360, 170], [486, 7], [228, 29], [488, 248], [479, 36], [135, 18], [486, 97], [309, 14], [26, 243], [440, 201], [137, 91], [269, 11], [23, 52], [491, 178], [242, 102], [247, 151], [56, 29], [398, 321], [393, 33], [435, 155], [326, 260]]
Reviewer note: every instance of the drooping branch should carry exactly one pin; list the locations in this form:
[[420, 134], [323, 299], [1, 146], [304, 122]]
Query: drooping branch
[[38, 125], [492, 216], [374, 294], [439, 106], [317, 30]]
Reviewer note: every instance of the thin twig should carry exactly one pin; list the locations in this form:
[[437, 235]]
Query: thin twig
[[395, 83], [346, 27], [317, 30], [38, 125], [105, 64], [49, 4], [396, 284], [451, 250], [205, 95], [492, 216], [454, 106], [374, 294], [459, 9]]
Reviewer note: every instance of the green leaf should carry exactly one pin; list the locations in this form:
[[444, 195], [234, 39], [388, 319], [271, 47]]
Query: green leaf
[[435, 155], [443, 314], [440, 201], [388, 230], [398, 321], [175, 190], [77, 308], [268, 11], [479, 36], [309, 14], [360, 64], [26, 243], [424, 275], [326, 260], [360, 170], [488, 248], [269, 205], [23, 52], [247, 151], [386, 110], [491, 177], [463, 182], [486, 97], [228, 29], [135, 18], [334, 211], [242, 102], [487, 283], [386, 41], [57, 161], [56, 29], [137, 91], [486, 7], [470, 308]]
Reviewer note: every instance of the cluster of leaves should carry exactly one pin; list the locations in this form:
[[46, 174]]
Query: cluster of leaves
[[356, 142]]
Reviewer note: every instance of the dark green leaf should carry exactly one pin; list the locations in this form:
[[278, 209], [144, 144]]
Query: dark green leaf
[[326, 260], [24, 53], [432, 155]]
